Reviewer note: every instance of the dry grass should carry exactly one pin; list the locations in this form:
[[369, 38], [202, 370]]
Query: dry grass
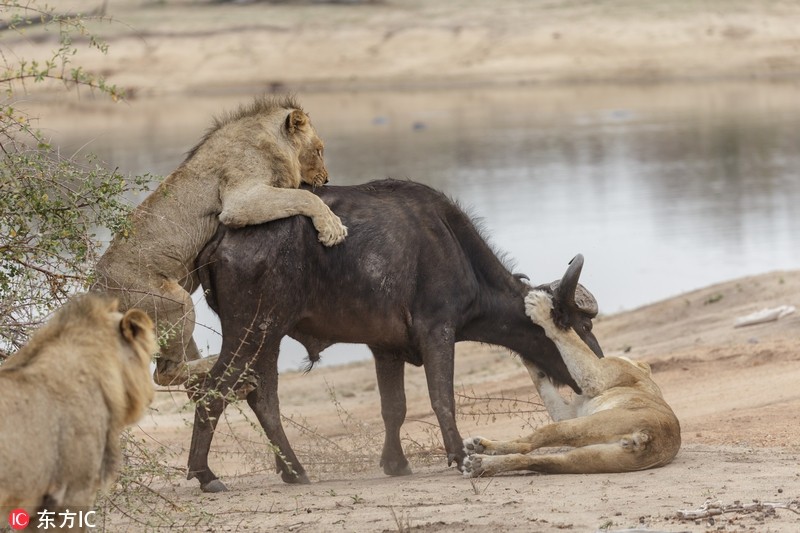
[[146, 494]]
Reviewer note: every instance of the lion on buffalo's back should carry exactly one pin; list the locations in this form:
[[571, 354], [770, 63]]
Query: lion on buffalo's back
[[64, 399], [246, 170]]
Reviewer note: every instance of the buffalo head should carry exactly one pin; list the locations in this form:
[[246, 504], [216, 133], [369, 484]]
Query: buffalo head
[[574, 306]]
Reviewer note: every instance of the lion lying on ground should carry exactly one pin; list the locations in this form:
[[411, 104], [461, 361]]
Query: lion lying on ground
[[245, 171], [64, 399], [620, 423]]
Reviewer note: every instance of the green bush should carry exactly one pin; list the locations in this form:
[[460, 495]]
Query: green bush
[[52, 209]]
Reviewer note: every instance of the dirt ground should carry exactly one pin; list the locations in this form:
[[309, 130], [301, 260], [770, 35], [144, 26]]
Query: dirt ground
[[735, 391], [201, 47]]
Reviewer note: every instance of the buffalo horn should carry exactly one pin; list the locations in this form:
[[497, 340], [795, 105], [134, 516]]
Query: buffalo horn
[[569, 283], [574, 295]]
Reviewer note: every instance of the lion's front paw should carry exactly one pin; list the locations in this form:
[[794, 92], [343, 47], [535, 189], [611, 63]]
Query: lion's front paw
[[331, 230], [473, 445], [539, 306], [232, 219]]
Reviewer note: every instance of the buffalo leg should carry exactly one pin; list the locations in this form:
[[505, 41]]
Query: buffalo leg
[[391, 385], [438, 358], [223, 377], [264, 403]]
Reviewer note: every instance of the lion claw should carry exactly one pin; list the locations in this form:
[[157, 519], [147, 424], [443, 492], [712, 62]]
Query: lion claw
[[332, 234]]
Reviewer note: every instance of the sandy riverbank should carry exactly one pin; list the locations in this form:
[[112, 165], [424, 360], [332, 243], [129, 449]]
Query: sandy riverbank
[[734, 390], [186, 46]]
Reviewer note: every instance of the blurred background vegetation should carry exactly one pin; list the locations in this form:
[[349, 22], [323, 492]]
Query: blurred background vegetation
[[53, 205]]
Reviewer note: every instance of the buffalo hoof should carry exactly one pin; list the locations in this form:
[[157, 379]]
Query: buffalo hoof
[[396, 468], [214, 485], [295, 479], [457, 458]]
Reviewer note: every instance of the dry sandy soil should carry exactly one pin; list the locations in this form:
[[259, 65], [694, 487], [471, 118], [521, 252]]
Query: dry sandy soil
[[735, 390], [195, 46]]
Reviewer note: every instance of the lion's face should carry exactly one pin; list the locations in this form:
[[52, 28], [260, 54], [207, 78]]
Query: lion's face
[[312, 164], [310, 148]]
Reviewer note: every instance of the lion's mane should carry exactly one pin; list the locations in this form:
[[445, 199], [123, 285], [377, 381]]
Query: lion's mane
[[64, 399]]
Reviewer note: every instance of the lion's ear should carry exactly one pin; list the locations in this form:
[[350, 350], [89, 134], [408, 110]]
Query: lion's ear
[[112, 305], [295, 120], [134, 325]]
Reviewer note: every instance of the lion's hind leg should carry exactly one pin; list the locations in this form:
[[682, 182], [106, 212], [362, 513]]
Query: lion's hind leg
[[597, 428], [171, 308], [565, 433], [605, 441], [624, 455]]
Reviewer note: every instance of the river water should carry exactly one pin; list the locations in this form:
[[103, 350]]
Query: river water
[[663, 189]]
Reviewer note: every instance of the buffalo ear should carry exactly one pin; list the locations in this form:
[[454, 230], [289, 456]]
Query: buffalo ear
[[135, 325], [295, 120]]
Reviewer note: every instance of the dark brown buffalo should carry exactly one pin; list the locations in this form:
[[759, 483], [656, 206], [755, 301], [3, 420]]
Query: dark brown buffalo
[[413, 277]]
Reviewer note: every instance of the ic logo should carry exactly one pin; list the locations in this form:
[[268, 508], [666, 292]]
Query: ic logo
[[18, 519]]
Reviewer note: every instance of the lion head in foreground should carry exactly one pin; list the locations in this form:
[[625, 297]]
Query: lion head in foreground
[[64, 399]]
